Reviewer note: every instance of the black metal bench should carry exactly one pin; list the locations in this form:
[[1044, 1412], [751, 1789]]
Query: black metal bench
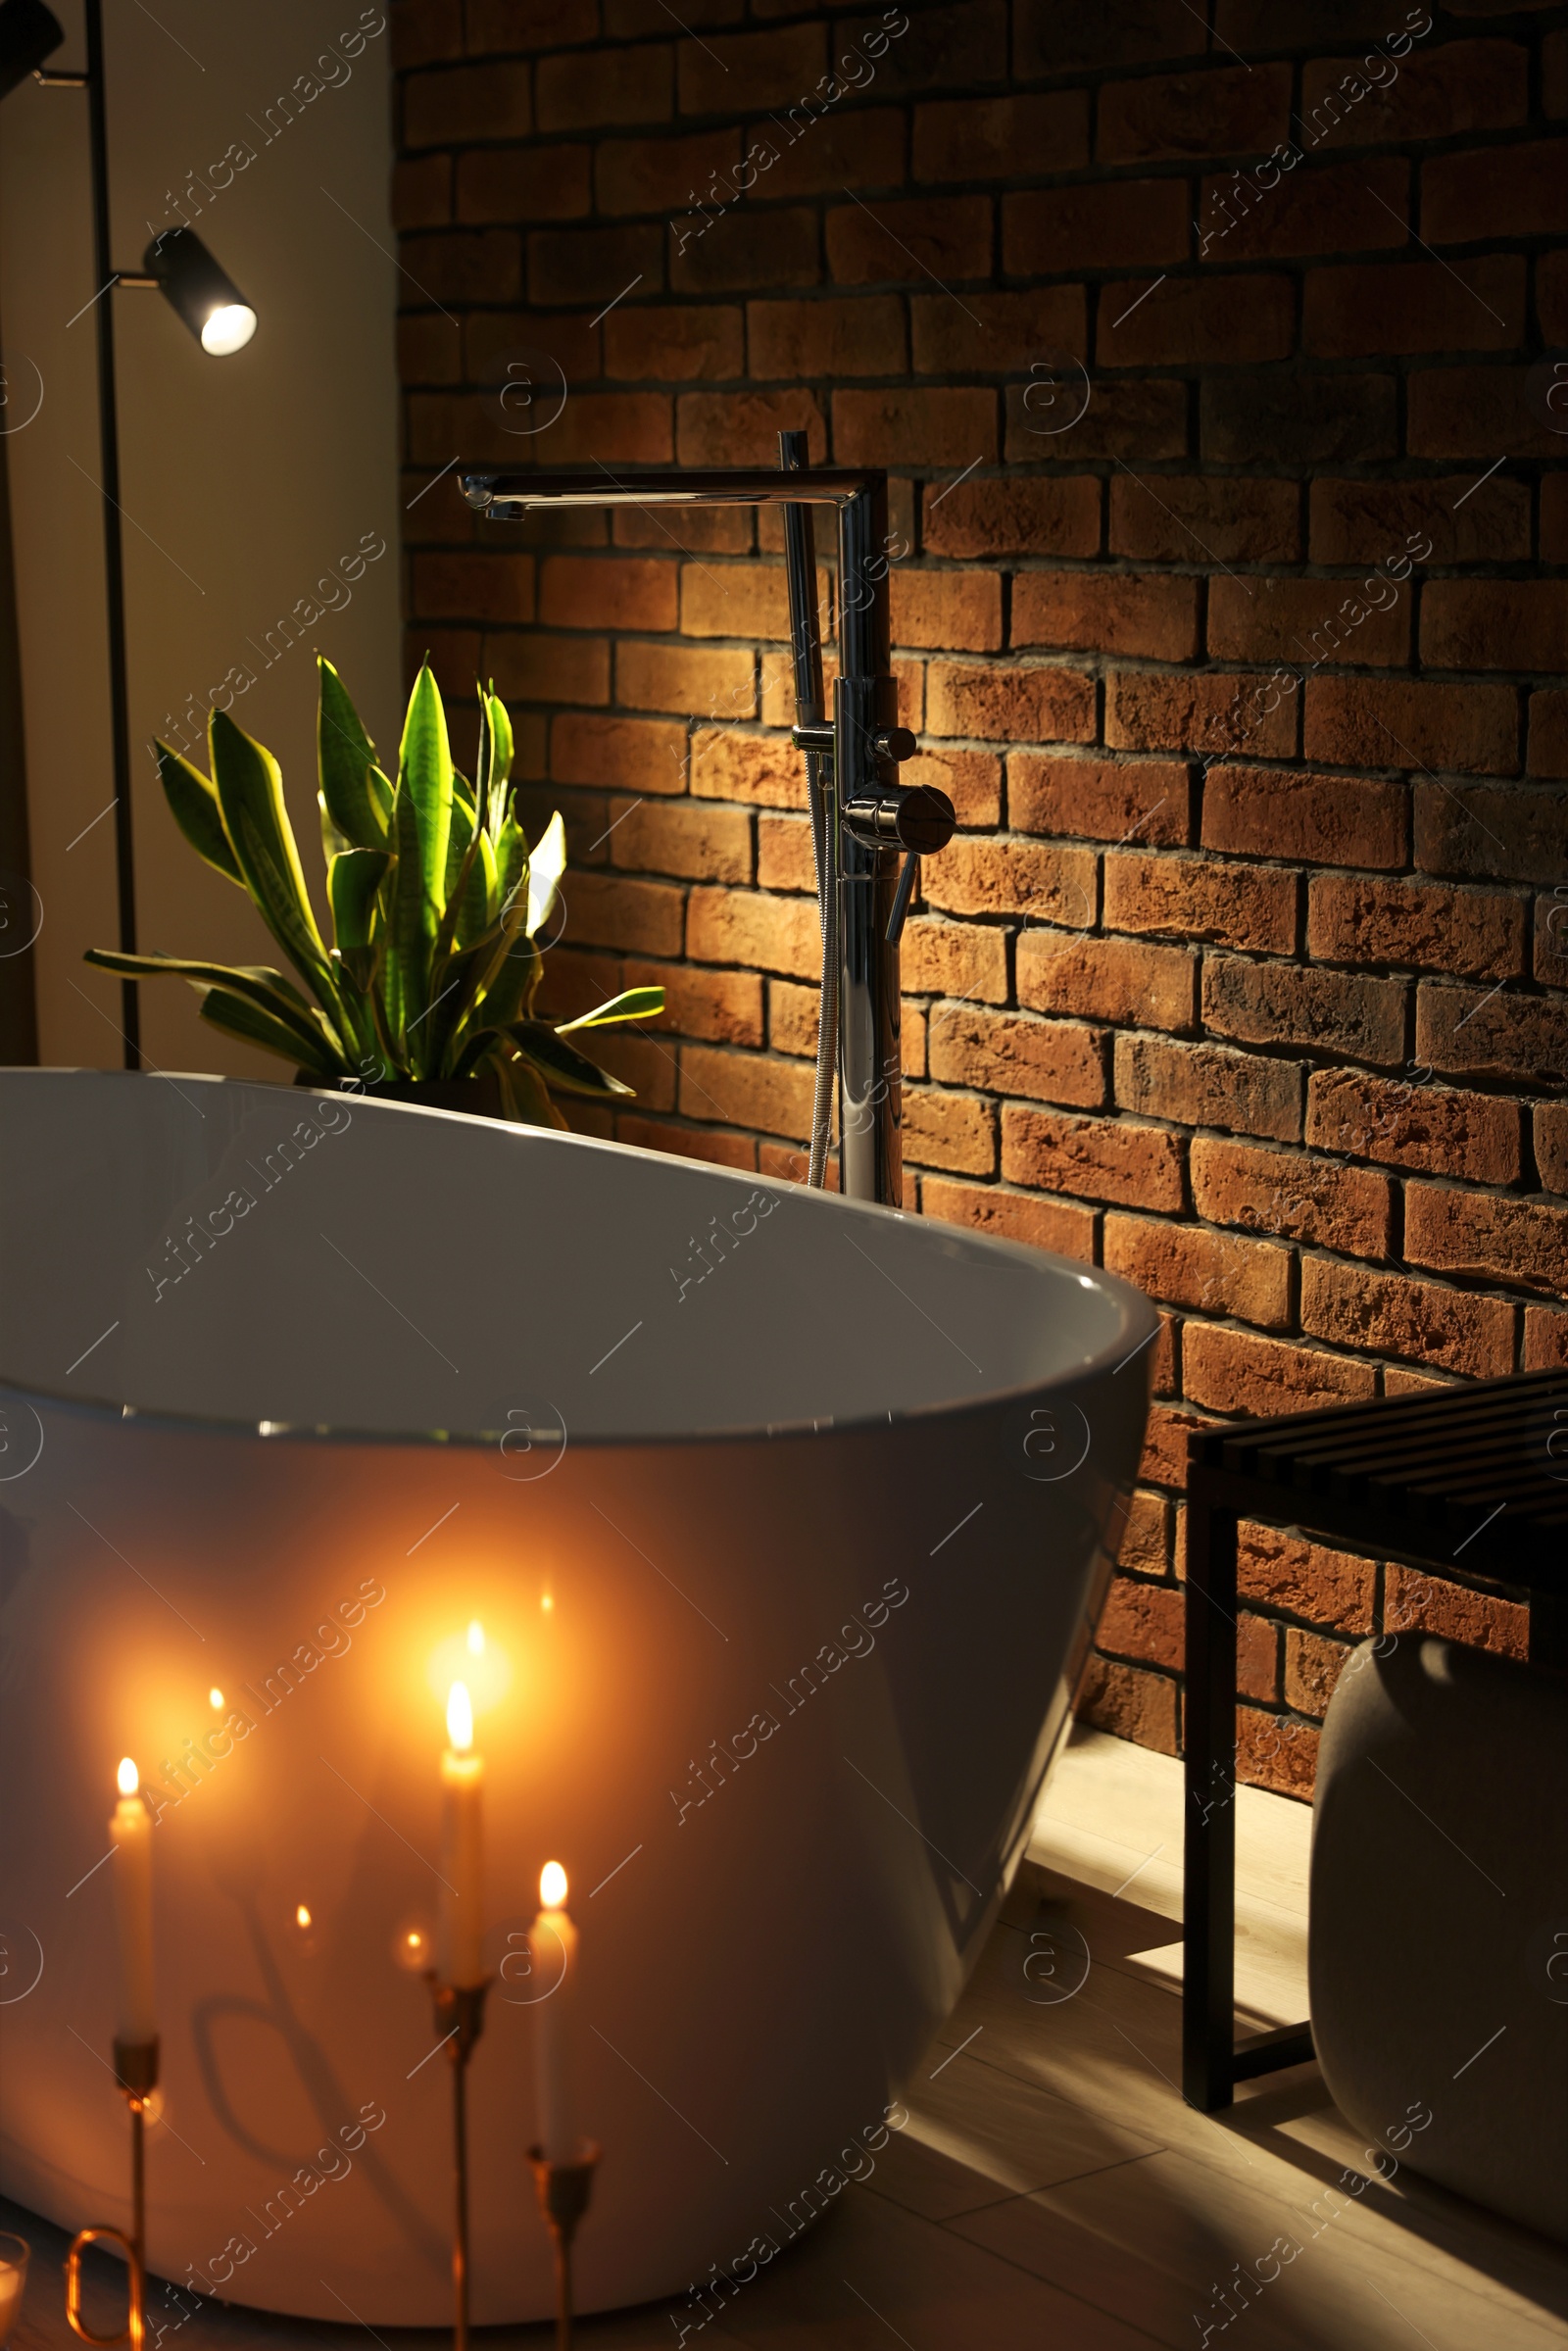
[[1471, 1479]]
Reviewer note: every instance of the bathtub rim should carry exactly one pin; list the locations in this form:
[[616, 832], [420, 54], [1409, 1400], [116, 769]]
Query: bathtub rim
[[1139, 1316]]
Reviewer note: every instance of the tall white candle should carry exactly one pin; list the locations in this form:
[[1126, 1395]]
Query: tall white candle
[[459, 1955], [554, 1946], [131, 1831]]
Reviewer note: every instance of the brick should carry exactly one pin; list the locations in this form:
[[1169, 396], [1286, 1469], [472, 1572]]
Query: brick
[[1257, 1668], [1092, 1158], [1383, 722], [674, 345], [1124, 420], [954, 958], [1124, 1699], [1438, 1130], [971, 780], [901, 428], [947, 608], [1344, 207], [1551, 938], [1005, 1053], [1167, 1438], [754, 930], [1012, 877], [784, 853], [1298, 23], [1291, 1004], [942, 49], [643, 917], [1186, 518], [709, 681], [1486, 1238], [764, 769], [695, 841], [1476, 933], [1491, 1033], [547, 668], [745, 70], [1276, 1753], [1312, 1668], [1298, 418], [430, 352], [522, 185], [607, 592], [574, 264], [425, 30], [1415, 305], [1109, 225], [1052, 39], [1549, 734], [1223, 110], [1187, 321], [740, 250], [1546, 1338], [1495, 623], [1507, 192], [630, 20], [1554, 74], [613, 428], [1121, 980], [1304, 1579], [745, 1090], [1059, 516], [1209, 1086], [1242, 1371], [860, 335], [895, 242], [1518, 836], [513, 25], [1111, 612], [860, 150], [421, 192], [484, 588], [1413, 1603], [661, 175], [1308, 620], [955, 1131], [1473, 412], [465, 264], [1552, 1145], [721, 1006], [1210, 1272], [1466, 85], [792, 1017], [623, 85], [1201, 898], [719, 1148], [1145, 711], [1390, 1314], [984, 139], [490, 338], [1013, 704], [1143, 1621], [1329, 820], [446, 108], [1145, 1535], [632, 754], [1368, 521], [992, 333], [741, 429], [734, 600], [1292, 1196], [1100, 799]]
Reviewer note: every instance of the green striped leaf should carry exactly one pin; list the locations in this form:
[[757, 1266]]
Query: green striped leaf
[[424, 775], [562, 1064], [633, 1003], [345, 757], [193, 804], [238, 1016]]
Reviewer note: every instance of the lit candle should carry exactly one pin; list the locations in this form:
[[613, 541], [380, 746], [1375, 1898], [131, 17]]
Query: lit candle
[[131, 1830], [554, 1944], [459, 1960]]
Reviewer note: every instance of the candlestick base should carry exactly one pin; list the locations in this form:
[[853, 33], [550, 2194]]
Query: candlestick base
[[136, 2072], [563, 2190], [459, 2021]]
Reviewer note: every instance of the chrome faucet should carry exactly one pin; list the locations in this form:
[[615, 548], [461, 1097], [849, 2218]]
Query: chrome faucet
[[862, 817]]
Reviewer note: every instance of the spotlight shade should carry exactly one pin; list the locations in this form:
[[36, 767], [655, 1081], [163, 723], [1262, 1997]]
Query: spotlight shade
[[204, 295], [29, 33]]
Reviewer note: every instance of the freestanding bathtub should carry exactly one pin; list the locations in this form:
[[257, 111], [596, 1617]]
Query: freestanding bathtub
[[787, 1523]]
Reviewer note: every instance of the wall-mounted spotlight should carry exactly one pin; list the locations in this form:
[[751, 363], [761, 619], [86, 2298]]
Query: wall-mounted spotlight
[[29, 33], [199, 291]]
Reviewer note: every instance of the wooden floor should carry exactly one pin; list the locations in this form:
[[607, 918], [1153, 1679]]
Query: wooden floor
[[1051, 2188]]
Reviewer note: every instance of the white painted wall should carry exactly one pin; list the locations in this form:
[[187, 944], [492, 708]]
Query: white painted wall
[[246, 481]]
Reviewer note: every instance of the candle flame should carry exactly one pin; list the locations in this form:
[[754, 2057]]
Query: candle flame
[[547, 1602], [128, 1777], [215, 1697], [552, 1885], [476, 1637], [459, 1718], [301, 1917]]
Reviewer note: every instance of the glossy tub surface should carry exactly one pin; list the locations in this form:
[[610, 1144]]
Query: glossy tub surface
[[786, 1520]]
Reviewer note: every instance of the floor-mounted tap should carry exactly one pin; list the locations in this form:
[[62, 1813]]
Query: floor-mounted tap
[[868, 830]]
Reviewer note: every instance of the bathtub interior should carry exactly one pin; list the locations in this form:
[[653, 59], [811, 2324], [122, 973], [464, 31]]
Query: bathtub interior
[[251, 1254]]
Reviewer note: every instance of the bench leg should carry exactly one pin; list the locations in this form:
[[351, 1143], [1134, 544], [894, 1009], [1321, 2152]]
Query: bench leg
[[1208, 1933]]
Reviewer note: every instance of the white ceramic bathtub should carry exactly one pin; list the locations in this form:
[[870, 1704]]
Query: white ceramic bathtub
[[421, 1370]]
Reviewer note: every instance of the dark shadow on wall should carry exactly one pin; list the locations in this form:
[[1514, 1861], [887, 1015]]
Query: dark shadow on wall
[[19, 1019]]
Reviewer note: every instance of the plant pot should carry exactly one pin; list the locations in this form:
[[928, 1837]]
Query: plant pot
[[480, 1096]]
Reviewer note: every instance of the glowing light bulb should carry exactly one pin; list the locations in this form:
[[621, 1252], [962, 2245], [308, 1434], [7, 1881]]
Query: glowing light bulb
[[552, 1885], [475, 1638], [229, 329], [301, 1917], [215, 1698], [459, 1718], [129, 1777]]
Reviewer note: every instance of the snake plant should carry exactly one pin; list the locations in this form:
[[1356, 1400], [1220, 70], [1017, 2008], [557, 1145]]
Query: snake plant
[[436, 899]]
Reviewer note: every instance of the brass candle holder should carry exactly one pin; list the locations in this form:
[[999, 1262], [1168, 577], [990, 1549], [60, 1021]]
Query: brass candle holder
[[136, 2072], [563, 2190], [459, 2019]]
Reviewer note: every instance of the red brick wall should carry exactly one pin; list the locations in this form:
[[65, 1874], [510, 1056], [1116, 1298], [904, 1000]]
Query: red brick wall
[[1246, 975]]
